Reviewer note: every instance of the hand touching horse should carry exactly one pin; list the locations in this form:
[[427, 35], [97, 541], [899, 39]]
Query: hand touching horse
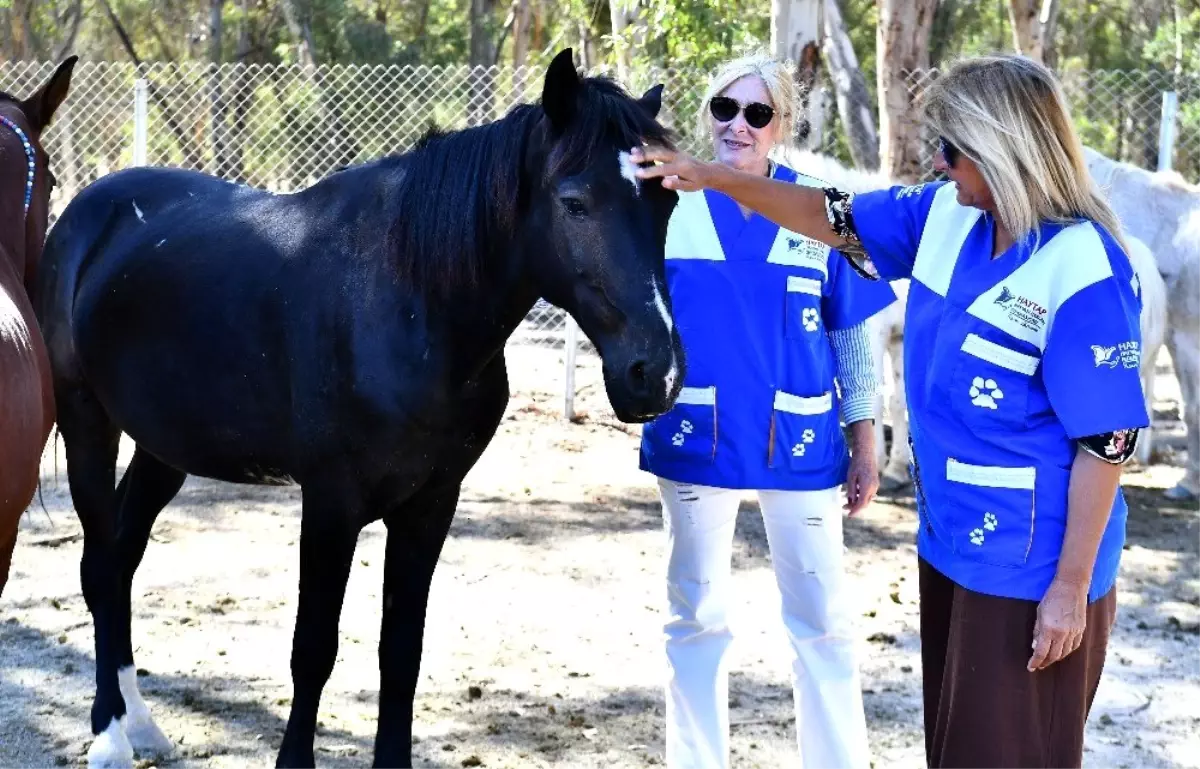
[[26, 396], [349, 338]]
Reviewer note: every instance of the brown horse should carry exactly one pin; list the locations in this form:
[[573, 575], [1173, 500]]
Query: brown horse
[[26, 393]]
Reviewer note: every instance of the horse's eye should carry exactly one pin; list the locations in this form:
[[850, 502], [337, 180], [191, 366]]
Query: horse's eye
[[574, 207]]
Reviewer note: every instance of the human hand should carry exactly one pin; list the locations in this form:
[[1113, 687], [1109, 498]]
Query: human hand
[[862, 481], [1061, 620], [678, 170]]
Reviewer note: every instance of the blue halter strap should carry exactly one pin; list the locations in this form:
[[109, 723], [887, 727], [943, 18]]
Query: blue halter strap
[[30, 157]]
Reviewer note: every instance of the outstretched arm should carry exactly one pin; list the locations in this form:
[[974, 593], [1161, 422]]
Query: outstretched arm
[[794, 207], [822, 215]]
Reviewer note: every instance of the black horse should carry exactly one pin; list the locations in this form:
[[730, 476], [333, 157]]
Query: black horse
[[348, 338]]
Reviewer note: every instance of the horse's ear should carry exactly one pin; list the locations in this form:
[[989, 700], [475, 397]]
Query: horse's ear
[[560, 90], [40, 107], [651, 101]]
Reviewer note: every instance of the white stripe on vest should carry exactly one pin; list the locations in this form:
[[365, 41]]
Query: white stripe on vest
[[691, 233], [1024, 303]]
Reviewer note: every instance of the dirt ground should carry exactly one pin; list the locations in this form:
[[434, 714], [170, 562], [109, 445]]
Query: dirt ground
[[543, 642]]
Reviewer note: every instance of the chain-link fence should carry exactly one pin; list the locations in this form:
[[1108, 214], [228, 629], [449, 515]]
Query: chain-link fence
[[284, 127], [1120, 113]]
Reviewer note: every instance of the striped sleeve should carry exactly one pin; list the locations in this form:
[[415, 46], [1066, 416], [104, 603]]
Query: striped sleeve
[[855, 372]]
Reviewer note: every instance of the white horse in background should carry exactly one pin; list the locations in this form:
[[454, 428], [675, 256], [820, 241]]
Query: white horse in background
[[887, 327], [1163, 210]]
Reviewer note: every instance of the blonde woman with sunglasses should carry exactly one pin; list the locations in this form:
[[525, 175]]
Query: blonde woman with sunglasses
[[777, 349], [1022, 349]]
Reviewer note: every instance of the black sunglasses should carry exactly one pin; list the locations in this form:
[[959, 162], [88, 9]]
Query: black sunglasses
[[725, 109], [949, 151]]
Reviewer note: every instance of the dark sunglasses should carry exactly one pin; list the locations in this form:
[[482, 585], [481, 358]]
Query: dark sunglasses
[[725, 109], [949, 151]]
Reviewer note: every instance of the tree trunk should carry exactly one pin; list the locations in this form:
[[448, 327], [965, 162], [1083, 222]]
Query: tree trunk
[[902, 53], [341, 148], [74, 21], [18, 15], [1043, 44], [243, 94], [522, 17], [795, 35], [623, 14], [221, 164], [301, 30], [482, 85], [191, 154], [853, 99], [1033, 26]]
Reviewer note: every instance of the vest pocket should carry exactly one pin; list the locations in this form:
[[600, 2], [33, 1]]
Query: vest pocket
[[801, 432], [992, 512], [990, 386], [802, 313], [689, 430]]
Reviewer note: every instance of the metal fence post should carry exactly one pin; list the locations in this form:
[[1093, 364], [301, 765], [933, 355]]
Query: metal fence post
[[1166, 131], [140, 118], [572, 347]]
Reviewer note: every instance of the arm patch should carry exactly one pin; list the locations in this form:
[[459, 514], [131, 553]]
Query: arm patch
[[839, 211], [1114, 447]]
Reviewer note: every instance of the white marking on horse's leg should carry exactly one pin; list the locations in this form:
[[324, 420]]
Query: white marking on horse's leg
[[138, 211], [111, 749], [144, 735], [629, 171]]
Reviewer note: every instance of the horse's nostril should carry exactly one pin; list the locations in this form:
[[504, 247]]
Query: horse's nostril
[[636, 376]]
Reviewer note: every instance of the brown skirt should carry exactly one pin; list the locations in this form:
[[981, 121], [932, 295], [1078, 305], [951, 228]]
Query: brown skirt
[[982, 707]]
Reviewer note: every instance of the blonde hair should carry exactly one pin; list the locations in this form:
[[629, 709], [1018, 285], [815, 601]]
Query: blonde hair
[[1008, 114], [776, 77]]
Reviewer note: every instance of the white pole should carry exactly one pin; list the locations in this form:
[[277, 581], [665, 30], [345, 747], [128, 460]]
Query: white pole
[[140, 118], [572, 347], [1166, 132]]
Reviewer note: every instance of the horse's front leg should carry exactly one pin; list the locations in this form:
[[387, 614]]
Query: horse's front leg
[[331, 519], [416, 533]]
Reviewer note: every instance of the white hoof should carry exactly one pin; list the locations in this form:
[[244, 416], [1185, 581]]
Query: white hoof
[[145, 736], [111, 749], [147, 739]]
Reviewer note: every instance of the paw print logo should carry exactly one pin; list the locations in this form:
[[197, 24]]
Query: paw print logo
[[677, 439], [977, 537], [989, 521], [685, 427], [808, 436], [985, 393], [798, 450], [810, 319]]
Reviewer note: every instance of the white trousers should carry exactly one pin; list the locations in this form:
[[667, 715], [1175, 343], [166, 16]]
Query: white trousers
[[804, 532]]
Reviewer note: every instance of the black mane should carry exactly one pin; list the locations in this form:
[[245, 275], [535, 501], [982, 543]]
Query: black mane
[[463, 190]]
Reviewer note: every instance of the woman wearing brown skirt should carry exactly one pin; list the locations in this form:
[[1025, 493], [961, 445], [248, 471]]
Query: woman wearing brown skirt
[[1022, 348]]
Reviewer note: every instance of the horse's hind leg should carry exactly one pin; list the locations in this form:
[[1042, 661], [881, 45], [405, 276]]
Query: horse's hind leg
[[148, 486], [91, 441]]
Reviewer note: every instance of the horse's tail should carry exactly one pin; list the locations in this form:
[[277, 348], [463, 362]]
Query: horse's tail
[[78, 234]]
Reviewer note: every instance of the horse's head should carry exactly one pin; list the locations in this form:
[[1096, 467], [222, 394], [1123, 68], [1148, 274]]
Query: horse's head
[[25, 196], [603, 232]]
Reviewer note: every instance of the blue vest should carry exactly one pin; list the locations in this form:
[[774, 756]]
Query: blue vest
[[1007, 362], [753, 303]]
